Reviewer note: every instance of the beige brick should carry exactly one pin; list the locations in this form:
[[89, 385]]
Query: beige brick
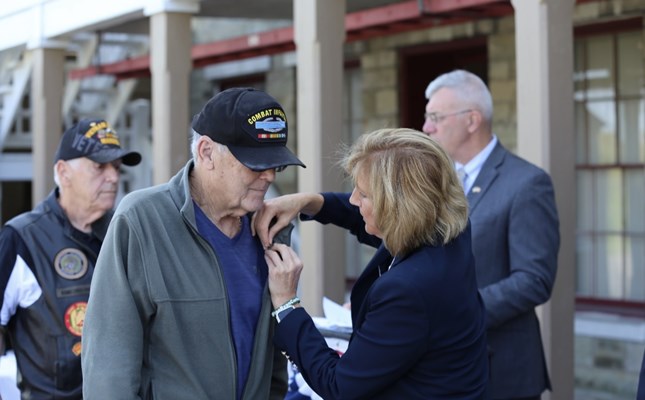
[[501, 45], [378, 43], [373, 124], [395, 41], [370, 78], [386, 102], [463, 30], [416, 37], [586, 11], [380, 78], [387, 58], [369, 103], [503, 90], [507, 135], [440, 34], [485, 27], [631, 5], [499, 70], [354, 48], [504, 111], [506, 25], [369, 61]]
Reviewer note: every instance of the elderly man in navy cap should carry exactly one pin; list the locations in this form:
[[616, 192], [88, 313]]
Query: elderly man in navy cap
[[47, 259], [179, 305]]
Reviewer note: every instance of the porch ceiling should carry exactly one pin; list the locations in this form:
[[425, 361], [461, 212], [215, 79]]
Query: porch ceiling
[[389, 18], [271, 9]]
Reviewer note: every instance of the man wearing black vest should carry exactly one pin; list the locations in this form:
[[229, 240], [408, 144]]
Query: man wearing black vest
[[47, 258]]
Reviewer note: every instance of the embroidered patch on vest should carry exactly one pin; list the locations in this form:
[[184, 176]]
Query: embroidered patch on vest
[[75, 316], [76, 349], [70, 263]]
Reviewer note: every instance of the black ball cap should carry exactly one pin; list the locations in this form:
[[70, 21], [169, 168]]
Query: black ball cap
[[96, 140], [252, 124]]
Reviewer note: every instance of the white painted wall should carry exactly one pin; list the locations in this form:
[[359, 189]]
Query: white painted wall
[[35, 22]]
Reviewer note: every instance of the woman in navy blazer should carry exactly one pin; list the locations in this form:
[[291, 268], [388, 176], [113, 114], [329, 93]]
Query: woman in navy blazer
[[419, 329]]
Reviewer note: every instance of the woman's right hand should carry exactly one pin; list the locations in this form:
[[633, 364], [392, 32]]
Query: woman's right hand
[[280, 211]]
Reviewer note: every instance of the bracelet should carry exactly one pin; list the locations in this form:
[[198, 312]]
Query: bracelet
[[290, 303]]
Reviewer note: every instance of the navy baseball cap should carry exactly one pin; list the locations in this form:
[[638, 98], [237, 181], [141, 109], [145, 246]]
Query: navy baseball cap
[[96, 140], [253, 126]]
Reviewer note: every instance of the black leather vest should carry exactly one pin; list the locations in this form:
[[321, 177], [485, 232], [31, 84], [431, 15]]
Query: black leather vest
[[46, 336]]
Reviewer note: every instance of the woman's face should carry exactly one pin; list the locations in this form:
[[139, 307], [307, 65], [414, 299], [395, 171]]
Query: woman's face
[[361, 198]]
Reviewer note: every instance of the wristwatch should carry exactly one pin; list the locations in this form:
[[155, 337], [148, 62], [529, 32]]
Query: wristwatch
[[283, 313]]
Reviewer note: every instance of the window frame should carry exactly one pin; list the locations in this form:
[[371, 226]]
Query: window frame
[[593, 303]]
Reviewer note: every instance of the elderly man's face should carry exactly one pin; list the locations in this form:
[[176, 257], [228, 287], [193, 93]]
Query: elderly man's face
[[447, 120], [93, 185], [243, 187]]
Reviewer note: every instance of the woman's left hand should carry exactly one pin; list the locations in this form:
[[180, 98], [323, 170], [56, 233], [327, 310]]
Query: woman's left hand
[[284, 272]]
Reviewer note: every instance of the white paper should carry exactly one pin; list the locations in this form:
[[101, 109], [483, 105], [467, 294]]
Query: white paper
[[336, 314]]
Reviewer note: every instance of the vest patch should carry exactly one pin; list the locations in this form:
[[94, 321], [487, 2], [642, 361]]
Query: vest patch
[[75, 316], [76, 349], [71, 263]]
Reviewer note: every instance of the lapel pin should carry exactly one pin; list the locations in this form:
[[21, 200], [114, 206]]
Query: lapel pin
[[477, 189]]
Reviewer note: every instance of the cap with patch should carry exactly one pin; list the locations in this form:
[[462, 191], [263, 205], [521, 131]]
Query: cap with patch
[[252, 124], [96, 140]]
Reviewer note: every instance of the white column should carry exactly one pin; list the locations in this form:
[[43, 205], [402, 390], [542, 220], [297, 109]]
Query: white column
[[546, 137], [319, 36], [139, 111], [47, 88], [170, 65]]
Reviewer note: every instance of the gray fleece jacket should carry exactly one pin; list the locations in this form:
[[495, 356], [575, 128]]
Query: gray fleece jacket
[[158, 320]]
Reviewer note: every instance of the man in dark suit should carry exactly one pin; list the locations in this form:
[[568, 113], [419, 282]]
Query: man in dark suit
[[515, 236]]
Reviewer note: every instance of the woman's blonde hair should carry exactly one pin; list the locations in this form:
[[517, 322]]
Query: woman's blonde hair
[[416, 194]]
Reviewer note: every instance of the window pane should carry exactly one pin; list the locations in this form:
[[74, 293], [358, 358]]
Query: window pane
[[601, 125], [635, 269], [609, 100], [585, 201], [630, 64], [579, 75], [600, 68], [585, 266], [609, 283], [634, 197], [581, 129], [632, 136], [609, 200]]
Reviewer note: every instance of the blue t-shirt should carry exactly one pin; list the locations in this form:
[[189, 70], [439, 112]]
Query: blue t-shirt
[[242, 263]]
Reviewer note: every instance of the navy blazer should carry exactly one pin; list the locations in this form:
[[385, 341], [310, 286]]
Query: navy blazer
[[419, 329], [515, 235]]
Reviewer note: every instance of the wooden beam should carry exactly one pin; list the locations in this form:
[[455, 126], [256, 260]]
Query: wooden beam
[[360, 25]]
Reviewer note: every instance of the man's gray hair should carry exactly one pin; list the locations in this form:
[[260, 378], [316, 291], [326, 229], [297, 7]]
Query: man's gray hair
[[73, 162], [193, 144], [470, 89]]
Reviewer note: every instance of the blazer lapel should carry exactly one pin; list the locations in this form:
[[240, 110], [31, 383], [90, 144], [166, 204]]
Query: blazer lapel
[[486, 176], [364, 282]]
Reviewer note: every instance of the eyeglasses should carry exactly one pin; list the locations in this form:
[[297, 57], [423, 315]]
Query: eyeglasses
[[276, 169], [436, 117]]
